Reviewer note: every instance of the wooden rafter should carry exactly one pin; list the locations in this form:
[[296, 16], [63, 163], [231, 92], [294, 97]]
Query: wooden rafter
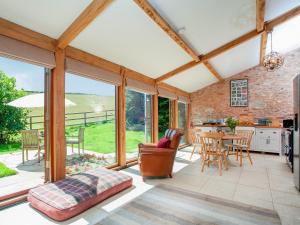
[[154, 15], [82, 21], [260, 14], [282, 18], [213, 71], [267, 26], [165, 26], [209, 55], [263, 46], [20, 33]]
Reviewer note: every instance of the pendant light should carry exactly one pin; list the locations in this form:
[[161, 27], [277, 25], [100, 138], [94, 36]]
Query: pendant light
[[273, 60]]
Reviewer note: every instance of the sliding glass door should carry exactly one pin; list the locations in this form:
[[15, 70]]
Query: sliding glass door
[[164, 115], [138, 121], [90, 123], [182, 120], [23, 152]]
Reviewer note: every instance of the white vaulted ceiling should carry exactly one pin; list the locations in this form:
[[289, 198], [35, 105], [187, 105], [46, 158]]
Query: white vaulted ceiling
[[209, 24], [124, 34], [238, 59], [49, 17], [193, 79]]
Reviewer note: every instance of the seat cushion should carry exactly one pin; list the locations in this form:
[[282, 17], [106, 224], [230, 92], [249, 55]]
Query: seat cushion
[[164, 143], [68, 197]]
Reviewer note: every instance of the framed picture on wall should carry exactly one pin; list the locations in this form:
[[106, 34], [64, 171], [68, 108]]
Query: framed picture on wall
[[239, 93]]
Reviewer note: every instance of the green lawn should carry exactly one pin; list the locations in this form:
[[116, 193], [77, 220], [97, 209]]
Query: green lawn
[[101, 138], [5, 171], [98, 137], [8, 148]]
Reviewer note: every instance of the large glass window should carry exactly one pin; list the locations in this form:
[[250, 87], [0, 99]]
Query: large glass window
[[90, 124], [138, 121], [182, 120], [22, 151], [164, 117]]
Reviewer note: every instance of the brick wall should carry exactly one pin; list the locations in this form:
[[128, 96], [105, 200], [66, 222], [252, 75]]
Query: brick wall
[[270, 93]]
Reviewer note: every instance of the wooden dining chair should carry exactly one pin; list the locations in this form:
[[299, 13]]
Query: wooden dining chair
[[241, 145], [196, 141], [212, 150]]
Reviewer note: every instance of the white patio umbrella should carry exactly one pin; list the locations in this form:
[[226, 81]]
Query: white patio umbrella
[[34, 101]]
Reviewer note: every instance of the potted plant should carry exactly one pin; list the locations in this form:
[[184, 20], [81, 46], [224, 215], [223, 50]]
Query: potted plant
[[232, 123]]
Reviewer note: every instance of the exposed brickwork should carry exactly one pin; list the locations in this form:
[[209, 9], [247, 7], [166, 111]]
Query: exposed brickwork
[[270, 93]]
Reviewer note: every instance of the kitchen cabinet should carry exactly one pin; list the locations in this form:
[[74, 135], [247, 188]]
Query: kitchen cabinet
[[268, 140], [264, 139]]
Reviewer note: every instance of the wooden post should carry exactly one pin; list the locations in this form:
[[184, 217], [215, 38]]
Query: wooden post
[[154, 118], [174, 116], [57, 118], [84, 116], [189, 120], [121, 121]]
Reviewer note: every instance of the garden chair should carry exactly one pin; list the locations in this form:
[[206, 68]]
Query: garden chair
[[31, 140], [77, 140]]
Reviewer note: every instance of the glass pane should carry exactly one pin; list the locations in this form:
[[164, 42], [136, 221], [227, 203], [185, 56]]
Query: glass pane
[[163, 115], [90, 124], [182, 120], [138, 121], [21, 125]]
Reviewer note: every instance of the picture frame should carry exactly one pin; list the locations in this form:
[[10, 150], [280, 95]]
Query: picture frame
[[239, 93]]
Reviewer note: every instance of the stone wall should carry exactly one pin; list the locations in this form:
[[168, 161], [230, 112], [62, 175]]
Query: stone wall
[[270, 93]]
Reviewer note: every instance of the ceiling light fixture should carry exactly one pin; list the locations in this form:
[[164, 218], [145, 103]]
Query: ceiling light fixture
[[273, 60]]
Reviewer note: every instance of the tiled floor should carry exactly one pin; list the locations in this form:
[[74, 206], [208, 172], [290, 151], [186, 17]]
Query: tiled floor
[[268, 183]]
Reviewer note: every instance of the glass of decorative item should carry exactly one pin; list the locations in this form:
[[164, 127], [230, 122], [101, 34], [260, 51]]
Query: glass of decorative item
[[232, 123]]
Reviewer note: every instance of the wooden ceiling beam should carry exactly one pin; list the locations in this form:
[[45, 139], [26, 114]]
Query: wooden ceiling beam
[[209, 55], [154, 15], [260, 15], [267, 27], [82, 21], [263, 46], [213, 71], [282, 18], [20, 33]]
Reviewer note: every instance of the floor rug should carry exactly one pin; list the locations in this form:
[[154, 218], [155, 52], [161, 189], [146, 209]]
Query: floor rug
[[171, 205]]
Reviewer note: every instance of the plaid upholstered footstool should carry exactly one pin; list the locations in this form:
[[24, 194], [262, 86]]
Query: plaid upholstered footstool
[[66, 198]]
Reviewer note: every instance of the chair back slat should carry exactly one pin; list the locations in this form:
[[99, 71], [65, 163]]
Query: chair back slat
[[81, 134], [211, 142], [30, 138]]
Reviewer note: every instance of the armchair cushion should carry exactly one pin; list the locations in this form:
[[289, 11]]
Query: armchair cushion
[[164, 143]]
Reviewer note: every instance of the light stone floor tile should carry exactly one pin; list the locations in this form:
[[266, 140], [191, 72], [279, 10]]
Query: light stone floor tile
[[244, 191], [218, 188], [288, 215], [285, 198], [254, 202]]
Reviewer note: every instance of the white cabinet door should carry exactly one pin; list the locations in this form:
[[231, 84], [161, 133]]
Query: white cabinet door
[[252, 147], [268, 140]]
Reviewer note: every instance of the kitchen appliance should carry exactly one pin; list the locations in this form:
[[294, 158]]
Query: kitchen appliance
[[287, 123], [296, 104]]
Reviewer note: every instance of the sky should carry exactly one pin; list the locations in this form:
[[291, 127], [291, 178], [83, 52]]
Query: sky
[[31, 78]]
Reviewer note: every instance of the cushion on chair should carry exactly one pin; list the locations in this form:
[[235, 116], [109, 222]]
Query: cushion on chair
[[68, 197], [164, 143]]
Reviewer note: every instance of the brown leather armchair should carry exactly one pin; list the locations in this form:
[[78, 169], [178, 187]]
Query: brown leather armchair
[[154, 161]]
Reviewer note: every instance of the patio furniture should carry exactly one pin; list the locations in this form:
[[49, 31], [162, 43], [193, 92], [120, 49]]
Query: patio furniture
[[77, 140], [196, 141], [31, 141], [158, 162], [66, 198], [213, 151], [241, 144]]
